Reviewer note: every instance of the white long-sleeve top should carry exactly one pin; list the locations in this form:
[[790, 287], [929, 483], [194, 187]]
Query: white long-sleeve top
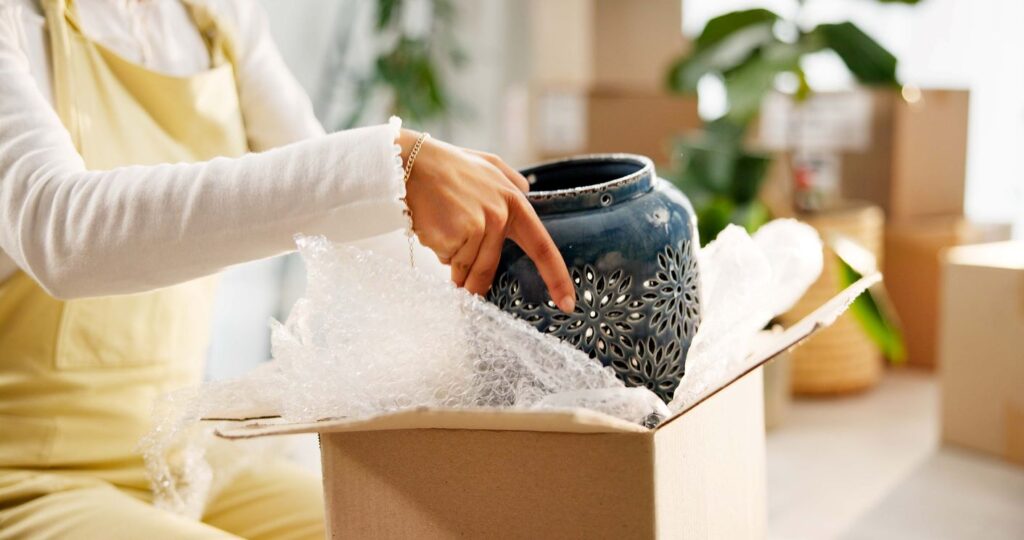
[[86, 233]]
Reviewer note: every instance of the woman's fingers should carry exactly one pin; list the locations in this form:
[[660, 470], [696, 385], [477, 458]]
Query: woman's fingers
[[449, 183], [526, 229], [513, 175], [481, 274], [462, 261]]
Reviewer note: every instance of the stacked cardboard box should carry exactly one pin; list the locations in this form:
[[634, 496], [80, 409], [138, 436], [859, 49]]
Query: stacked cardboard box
[[915, 168], [912, 266], [907, 156], [914, 164], [981, 348], [597, 78]]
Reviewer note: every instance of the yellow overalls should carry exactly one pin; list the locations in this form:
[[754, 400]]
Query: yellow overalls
[[78, 378]]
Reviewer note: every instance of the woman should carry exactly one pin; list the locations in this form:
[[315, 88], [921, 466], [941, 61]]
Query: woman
[[125, 181]]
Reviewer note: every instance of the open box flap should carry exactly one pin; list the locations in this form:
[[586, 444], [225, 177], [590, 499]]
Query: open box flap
[[774, 344], [564, 421]]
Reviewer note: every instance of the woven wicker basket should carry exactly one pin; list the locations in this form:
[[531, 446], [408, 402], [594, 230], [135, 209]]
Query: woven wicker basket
[[841, 358]]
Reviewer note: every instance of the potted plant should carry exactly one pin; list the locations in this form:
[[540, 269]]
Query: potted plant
[[414, 51], [748, 51]]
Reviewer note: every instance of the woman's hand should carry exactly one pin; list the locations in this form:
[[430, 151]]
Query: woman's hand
[[465, 203]]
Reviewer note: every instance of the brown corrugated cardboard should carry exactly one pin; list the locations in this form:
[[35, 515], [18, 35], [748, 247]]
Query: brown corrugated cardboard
[[912, 269], [487, 473], [915, 164], [605, 44], [778, 390], [561, 42], [929, 163], [908, 158], [981, 348], [591, 122], [1015, 432], [644, 123], [635, 42]]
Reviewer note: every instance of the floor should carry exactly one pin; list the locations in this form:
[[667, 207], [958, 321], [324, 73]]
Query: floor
[[871, 467]]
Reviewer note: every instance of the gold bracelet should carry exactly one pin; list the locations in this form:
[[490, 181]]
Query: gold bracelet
[[413, 153], [408, 172]]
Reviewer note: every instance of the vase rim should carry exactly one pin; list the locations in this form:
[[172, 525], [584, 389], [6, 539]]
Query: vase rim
[[593, 195]]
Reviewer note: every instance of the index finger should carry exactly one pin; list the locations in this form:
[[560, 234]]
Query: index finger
[[526, 229]]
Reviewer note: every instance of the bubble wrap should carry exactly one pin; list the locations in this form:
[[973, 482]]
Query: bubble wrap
[[372, 335], [745, 282]]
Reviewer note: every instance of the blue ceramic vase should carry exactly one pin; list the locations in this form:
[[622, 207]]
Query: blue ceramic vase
[[629, 239]]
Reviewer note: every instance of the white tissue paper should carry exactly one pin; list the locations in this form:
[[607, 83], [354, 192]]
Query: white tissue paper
[[372, 335], [745, 283]]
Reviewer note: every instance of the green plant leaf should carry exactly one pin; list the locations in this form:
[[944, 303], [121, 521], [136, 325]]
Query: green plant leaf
[[412, 70], [722, 57], [748, 176], [803, 89], [713, 218], [722, 27], [709, 158], [386, 10], [751, 216], [721, 178], [708, 166], [747, 85], [678, 79], [869, 62], [875, 321]]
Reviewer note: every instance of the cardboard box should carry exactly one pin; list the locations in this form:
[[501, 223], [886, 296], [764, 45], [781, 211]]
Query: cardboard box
[[908, 158], [604, 44], [643, 123], [981, 348], [561, 42], [636, 42], [912, 268], [485, 473], [916, 161], [572, 122], [597, 79]]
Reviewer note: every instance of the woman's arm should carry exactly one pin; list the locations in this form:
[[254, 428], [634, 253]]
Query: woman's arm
[[86, 233], [130, 229]]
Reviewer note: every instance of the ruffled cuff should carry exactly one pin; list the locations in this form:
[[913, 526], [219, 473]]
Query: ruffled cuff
[[398, 173]]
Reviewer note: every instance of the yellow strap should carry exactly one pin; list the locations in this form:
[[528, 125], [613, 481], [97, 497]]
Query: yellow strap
[[58, 18], [72, 370]]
